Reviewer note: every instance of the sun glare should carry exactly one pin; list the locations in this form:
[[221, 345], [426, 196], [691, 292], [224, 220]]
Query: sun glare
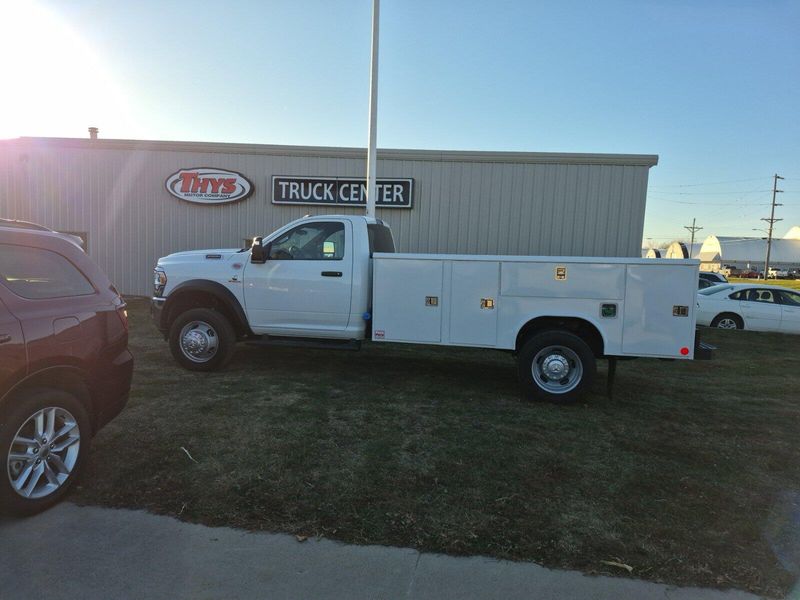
[[55, 84]]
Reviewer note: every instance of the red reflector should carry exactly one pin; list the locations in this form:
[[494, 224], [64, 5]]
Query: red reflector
[[684, 351]]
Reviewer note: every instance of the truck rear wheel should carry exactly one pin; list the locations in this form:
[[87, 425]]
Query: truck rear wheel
[[202, 339], [556, 366]]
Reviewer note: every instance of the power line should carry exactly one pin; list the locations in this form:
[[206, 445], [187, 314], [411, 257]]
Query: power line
[[683, 185], [729, 193], [737, 204]]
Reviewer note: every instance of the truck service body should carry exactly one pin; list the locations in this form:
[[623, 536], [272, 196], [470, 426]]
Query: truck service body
[[334, 280]]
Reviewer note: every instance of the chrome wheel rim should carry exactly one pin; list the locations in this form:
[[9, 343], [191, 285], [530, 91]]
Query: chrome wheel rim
[[199, 341], [43, 453], [727, 323], [557, 369]]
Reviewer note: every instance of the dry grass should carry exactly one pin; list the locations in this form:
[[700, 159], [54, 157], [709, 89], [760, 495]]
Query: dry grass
[[690, 474], [793, 284]]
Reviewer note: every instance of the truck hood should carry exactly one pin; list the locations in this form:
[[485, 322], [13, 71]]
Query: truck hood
[[212, 255]]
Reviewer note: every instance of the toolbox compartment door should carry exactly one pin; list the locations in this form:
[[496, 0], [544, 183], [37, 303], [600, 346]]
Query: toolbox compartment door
[[407, 301], [659, 310], [474, 291]]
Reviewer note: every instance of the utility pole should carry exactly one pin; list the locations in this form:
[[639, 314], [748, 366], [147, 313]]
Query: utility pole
[[372, 158], [693, 228], [772, 220]]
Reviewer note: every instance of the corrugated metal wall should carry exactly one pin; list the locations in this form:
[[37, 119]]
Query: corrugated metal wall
[[482, 203]]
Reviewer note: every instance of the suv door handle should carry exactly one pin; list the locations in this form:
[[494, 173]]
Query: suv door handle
[[331, 273], [4, 338]]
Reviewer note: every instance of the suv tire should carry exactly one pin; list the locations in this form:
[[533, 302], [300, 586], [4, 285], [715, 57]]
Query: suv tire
[[202, 339], [45, 436]]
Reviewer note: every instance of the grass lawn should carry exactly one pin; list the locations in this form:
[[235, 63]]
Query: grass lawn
[[789, 283], [690, 475]]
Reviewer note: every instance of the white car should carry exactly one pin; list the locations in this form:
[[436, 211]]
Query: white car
[[749, 306]]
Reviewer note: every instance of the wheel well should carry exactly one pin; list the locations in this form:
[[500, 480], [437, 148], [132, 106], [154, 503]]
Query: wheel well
[[202, 299], [68, 379], [580, 327]]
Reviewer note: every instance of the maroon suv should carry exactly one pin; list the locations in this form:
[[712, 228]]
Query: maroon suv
[[65, 369]]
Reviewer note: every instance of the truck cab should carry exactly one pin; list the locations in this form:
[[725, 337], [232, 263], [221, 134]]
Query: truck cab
[[310, 278]]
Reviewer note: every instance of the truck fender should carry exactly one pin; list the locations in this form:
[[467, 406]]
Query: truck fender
[[203, 288], [586, 326]]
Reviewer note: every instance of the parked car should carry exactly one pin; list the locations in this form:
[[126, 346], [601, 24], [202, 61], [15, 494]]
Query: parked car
[[65, 368], [749, 274], [730, 271], [714, 278], [705, 283], [749, 306], [778, 273]]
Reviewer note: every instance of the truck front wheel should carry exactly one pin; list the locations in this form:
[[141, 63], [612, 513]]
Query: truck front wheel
[[202, 339], [556, 366]]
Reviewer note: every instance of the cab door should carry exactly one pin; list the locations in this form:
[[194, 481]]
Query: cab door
[[761, 309], [304, 287]]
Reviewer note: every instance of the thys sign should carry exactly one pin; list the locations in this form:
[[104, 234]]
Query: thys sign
[[207, 185], [341, 191]]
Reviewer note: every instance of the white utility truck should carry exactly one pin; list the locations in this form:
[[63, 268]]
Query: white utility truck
[[333, 281]]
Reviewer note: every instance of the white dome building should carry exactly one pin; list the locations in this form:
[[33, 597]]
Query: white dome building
[[683, 250], [746, 252], [793, 233]]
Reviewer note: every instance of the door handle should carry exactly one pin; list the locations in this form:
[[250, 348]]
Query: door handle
[[331, 273], [4, 338]]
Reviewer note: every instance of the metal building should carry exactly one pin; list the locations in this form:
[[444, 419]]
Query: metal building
[[134, 201], [747, 252]]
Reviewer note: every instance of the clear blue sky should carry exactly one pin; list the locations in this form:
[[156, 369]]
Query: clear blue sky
[[712, 87]]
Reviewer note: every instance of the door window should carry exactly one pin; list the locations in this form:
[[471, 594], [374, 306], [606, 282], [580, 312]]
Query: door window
[[765, 296], [790, 298], [36, 273], [310, 241]]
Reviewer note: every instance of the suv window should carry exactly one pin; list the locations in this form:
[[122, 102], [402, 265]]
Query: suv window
[[36, 273], [790, 298], [310, 241]]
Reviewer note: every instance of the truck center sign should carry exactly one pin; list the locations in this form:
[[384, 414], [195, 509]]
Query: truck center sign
[[341, 191]]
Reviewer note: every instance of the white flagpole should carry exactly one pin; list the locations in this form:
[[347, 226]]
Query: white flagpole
[[372, 190]]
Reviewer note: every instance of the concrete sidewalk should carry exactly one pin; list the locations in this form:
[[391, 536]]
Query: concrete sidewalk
[[87, 553]]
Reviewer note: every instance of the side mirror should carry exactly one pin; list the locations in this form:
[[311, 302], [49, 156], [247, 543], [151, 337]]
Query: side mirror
[[258, 252]]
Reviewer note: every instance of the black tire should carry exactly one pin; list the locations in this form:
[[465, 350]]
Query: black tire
[[727, 318], [219, 331], [17, 413], [577, 355]]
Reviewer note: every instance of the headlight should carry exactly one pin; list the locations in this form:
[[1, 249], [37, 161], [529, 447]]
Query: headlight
[[159, 281]]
